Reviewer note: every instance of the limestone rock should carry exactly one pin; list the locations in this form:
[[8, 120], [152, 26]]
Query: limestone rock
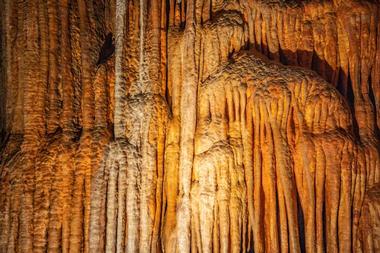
[[216, 126]]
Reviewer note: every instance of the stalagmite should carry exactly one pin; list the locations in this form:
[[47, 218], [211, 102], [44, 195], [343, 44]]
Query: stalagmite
[[216, 126]]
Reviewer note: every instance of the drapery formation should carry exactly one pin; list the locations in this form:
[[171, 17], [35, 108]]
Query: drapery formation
[[207, 131]]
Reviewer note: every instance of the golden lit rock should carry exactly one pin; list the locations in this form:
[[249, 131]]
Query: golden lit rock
[[214, 126]]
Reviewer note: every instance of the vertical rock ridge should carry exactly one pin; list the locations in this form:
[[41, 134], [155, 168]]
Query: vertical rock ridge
[[194, 137]]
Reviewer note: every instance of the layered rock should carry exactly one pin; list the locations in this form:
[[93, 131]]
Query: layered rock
[[194, 137], [58, 108]]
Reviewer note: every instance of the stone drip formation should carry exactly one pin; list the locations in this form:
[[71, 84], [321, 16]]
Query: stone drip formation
[[218, 126]]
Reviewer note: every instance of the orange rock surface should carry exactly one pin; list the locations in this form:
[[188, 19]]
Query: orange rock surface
[[216, 126]]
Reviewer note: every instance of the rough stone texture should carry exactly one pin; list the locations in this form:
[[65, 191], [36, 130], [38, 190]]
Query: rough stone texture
[[207, 131], [369, 222]]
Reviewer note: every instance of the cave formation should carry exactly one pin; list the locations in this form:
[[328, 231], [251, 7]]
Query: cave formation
[[216, 126]]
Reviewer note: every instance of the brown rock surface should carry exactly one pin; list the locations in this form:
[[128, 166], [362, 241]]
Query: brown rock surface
[[207, 131]]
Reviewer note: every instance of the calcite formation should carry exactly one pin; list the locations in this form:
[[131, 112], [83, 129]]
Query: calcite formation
[[216, 126]]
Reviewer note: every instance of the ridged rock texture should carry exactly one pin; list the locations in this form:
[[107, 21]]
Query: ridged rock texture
[[216, 126]]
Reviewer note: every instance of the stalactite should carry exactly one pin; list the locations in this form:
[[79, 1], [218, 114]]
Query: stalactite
[[53, 93], [67, 78], [327, 39], [188, 115], [194, 136], [120, 80], [368, 229], [87, 64]]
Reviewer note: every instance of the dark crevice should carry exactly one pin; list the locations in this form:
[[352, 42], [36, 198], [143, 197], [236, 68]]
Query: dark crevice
[[315, 62], [351, 101], [324, 221], [342, 83], [168, 97], [226, 112], [372, 98], [301, 225]]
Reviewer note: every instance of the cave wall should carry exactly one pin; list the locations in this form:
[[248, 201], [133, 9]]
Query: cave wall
[[217, 126]]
